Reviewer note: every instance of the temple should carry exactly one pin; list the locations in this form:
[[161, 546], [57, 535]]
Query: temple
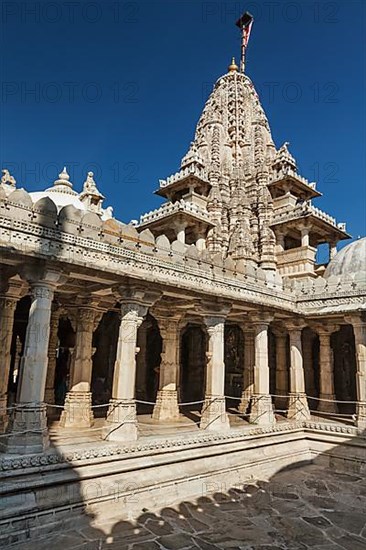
[[207, 320]]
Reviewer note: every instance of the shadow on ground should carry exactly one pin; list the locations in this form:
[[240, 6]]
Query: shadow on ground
[[306, 506]]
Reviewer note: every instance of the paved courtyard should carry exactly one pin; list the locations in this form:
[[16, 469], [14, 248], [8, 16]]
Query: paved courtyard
[[306, 508]]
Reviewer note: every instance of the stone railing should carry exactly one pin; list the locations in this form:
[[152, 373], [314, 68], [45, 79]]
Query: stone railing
[[285, 213], [171, 208], [289, 172], [191, 170], [300, 260]]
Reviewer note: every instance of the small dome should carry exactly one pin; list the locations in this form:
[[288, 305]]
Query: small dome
[[349, 261]]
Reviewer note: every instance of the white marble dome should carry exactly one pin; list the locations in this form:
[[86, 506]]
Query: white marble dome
[[62, 194], [349, 261]]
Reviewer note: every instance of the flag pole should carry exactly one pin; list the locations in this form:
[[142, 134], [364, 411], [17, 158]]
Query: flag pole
[[245, 24]]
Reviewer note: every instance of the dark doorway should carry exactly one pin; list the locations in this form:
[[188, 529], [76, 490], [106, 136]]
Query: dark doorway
[[234, 357], [193, 365], [343, 344]]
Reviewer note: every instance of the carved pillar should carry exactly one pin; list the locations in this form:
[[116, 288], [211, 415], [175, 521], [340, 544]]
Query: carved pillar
[[326, 366], [78, 402], [121, 421], [305, 236], [27, 429], [248, 373], [166, 407], [52, 356], [141, 366], [213, 415], [298, 408], [359, 329], [7, 309], [281, 368], [332, 249], [261, 410]]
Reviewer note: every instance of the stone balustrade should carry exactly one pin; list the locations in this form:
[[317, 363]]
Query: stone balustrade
[[296, 260], [191, 170], [289, 172], [288, 213], [171, 208]]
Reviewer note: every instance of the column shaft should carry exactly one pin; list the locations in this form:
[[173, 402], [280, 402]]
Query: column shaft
[[27, 429], [281, 370], [78, 402], [248, 372], [298, 408], [261, 411], [7, 309], [121, 421], [359, 329], [166, 408], [213, 416], [52, 358], [326, 373]]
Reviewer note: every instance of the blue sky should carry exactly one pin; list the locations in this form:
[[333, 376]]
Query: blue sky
[[117, 88]]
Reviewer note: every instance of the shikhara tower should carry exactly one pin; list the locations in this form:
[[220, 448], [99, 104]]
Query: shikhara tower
[[236, 194]]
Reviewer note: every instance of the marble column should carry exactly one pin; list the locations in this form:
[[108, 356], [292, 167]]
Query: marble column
[[359, 329], [326, 370], [248, 372], [282, 373], [52, 357], [261, 409], [27, 429], [298, 408], [213, 414], [141, 366], [121, 421], [7, 309], [78, 410], [166, 408]]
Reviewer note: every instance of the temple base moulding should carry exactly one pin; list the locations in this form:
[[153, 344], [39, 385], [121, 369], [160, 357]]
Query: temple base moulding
[[261, 410], [213, 414], [27, 430], [166, 407], [298, 408], [77, 410], [121, 421]]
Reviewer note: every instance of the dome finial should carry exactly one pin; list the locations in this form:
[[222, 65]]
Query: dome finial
[[64, 179], [233, 67]]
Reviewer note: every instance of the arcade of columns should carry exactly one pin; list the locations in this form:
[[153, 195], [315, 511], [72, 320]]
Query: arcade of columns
[[26, 424]]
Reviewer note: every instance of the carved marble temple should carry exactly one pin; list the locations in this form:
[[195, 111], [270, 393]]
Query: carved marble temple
[[209, 323]]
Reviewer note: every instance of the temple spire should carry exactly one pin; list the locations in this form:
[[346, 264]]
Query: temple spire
[[244, 23]]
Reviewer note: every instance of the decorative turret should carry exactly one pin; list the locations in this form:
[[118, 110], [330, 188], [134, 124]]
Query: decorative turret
[[7, 179], [91, 196], [284, 160]]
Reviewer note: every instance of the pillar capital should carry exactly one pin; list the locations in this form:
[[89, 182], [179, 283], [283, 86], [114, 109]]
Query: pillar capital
[[356, 320], [136, 294], [261, 319], [280, 331], [39, 276], [294, 325], [211, 310], [324, 329]]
